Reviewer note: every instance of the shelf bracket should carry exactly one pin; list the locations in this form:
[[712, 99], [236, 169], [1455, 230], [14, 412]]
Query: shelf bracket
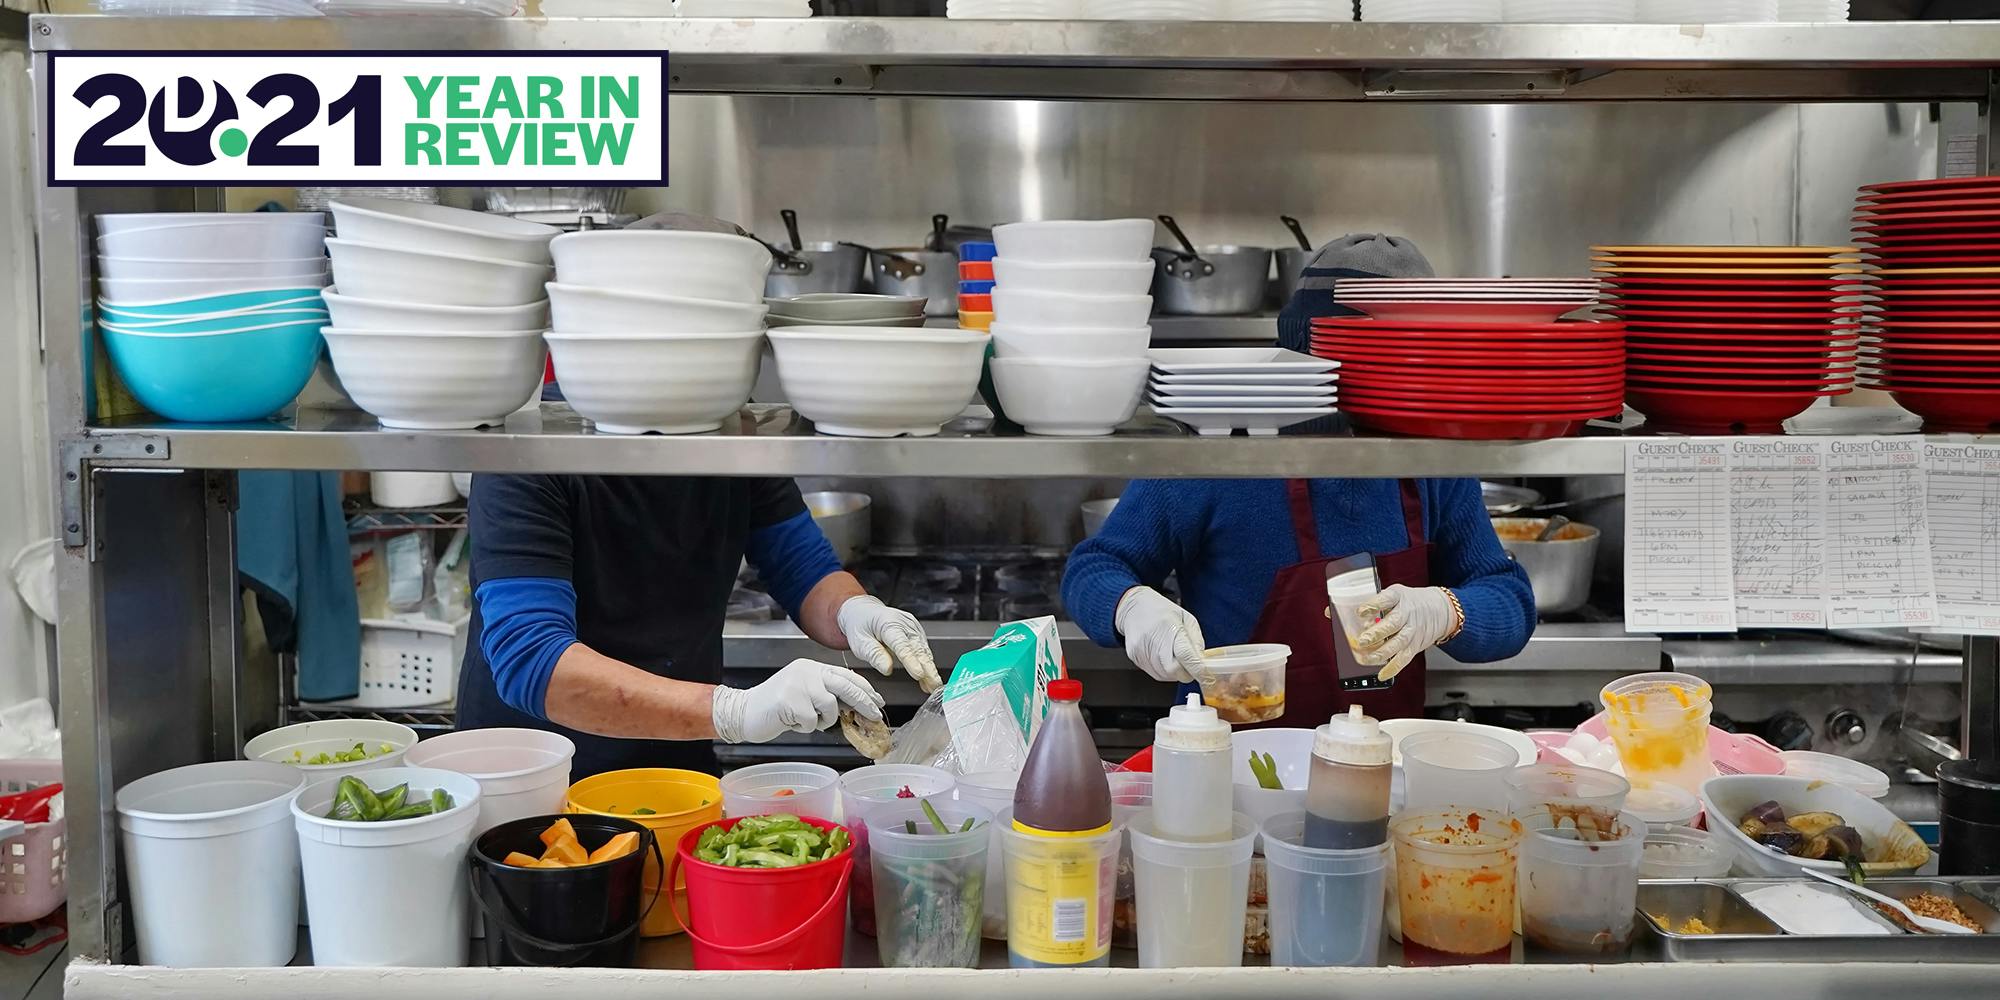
[[77, 455], [1463, 85]]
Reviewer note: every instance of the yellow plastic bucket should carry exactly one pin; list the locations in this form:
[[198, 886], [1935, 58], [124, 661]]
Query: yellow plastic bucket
[[679, 801]]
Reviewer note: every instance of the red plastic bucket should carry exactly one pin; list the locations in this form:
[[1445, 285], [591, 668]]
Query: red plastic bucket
[[763, 918]]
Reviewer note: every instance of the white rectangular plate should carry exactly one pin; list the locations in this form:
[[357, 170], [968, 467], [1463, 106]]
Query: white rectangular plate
[[1236, 360], [1304, 393], [1287, 403], [1257, 420]]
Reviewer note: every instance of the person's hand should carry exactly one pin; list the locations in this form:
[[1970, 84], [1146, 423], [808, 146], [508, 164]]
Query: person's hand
[[1160, 636], [1413, 619], [805, 697], [885, 637]]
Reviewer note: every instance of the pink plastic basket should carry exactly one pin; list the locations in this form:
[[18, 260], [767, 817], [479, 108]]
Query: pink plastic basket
[[33, 876]]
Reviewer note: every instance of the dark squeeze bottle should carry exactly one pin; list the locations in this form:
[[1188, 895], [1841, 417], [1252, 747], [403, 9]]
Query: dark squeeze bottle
[[1347, 792]]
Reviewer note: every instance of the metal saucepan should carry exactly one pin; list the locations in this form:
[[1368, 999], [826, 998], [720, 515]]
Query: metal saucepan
[[1558, 569], [1214, 280], [1502, 499], [915, 271], [844, 519], [1292, 261], [803, 268]]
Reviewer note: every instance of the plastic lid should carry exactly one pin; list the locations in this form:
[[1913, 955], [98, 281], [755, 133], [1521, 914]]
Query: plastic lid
[[1065, 689], [1191, 726], [1353, 738], [1837, 769]]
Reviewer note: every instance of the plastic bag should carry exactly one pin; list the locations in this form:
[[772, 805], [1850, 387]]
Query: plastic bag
[[986, 716]]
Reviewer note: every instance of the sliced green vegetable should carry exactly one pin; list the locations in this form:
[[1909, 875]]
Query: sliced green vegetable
[[392, 799], [643, 811], [440, 800], [775, 841], [932, 815], [1266, 771]]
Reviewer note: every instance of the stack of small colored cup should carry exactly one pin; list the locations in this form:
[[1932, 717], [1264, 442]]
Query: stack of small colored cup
[[975, 285]]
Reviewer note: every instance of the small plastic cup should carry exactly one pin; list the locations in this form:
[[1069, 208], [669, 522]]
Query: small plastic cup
[[1581, 798], [798, 788], [992, 791], [1685, 852], [930, 887], [1191, 895], [1325, 905], [1659, 721], [1664, 806], [1456, 873], [1347, 593], [1059, 896], [1131, 795], [865, 789], [1245, 684], [1459, 770], [1577, 893]]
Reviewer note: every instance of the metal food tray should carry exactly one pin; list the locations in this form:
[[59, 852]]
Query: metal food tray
[[1745, 934]]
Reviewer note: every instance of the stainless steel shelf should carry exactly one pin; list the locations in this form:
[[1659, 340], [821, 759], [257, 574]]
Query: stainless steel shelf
[[1862, 61]]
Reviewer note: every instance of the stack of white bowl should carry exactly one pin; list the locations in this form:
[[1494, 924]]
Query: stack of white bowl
[[437, 312], [1070, 326], [657, 331], [212, 316]]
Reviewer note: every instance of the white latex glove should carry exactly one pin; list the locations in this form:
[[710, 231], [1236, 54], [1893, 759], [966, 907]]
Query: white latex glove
[[1160, 636], [805, 697], [1413, 619], [885, 637]]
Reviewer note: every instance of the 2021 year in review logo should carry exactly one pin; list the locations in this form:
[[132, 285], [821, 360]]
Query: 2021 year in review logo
[[382, 118]]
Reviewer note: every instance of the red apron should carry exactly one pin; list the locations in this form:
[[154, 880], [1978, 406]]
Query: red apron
[[1298, 614]]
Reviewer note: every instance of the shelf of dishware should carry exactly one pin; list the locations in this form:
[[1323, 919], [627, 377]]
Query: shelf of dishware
[[1245, 60]]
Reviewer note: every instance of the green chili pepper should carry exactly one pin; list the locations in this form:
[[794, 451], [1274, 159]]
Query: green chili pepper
[[440, 800], [1266, 771], [411, 811], [392, 799]]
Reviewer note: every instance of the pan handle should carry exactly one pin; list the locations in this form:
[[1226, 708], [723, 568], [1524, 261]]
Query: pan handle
[[791, 227], [1193, 266], [1298, 232]]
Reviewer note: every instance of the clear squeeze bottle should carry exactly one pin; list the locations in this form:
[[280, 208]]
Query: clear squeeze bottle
[[1347, 792], [1062, 851], [1191, 773]]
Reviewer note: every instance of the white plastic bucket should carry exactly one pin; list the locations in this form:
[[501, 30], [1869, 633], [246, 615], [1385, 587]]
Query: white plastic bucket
[[296, 743], [211, 864], [521, 773], [391, 893]]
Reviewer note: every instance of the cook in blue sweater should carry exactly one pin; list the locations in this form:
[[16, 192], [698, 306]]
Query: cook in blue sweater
[[1250, 555]]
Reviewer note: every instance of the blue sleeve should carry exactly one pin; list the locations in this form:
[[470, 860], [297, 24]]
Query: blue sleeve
[[1146, 538], [1493, 589], [791, 556], [527, 624]]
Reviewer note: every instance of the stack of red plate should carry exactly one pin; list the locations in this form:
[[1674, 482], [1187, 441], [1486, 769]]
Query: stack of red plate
[[1475, 380], [1934, 342], [1733, 339]]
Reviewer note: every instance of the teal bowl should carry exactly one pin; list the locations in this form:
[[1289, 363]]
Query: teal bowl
[[222, 377], [212, 305], [218, 324]]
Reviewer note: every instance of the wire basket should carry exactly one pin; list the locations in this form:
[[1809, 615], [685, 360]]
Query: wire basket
[[34, 873], [406, 664]]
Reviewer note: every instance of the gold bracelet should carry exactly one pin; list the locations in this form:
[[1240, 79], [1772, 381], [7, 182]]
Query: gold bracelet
[[1457, 614]]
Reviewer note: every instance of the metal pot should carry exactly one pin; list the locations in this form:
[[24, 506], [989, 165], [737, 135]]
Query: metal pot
[[816, 267], [1558, 569], [844, 519], [569, 200], [1292, 263], [930, 273], [1502, 499], [1094, 513], [1219, 280]]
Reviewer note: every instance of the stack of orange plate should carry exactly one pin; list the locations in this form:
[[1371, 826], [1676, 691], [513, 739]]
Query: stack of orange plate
[[1723, 339]]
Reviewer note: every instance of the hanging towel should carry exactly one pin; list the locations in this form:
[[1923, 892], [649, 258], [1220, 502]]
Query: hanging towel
[[291, 551]]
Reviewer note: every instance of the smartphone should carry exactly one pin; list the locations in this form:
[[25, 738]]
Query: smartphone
[[1350, 582]]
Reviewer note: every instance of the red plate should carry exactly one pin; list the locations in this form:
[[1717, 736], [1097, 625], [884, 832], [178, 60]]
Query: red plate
[[1731, 383], [1765, 283], [1950, 237], [1748, 355], [1577, 412], [1465, 428], [1830, 327], [1784, 367], [1784, 372], [1976, 410], [1480, 360], [1702, 299], [1417, 381], [1496, 336], [1974, 328], [1915, 346], [1942, 184], [1877, 378], [1361, 349], [1474, 399], [1900, 248], [1893, 262], [1709, 412], [1928, 216], [1573, 327], [1981, 201], [1633, 315], [1483, 370]]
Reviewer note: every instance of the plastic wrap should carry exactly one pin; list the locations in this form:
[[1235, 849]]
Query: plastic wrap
[[985, 717]]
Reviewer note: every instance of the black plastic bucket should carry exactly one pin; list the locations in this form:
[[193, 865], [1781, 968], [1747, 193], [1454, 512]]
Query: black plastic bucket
[[586, 915]]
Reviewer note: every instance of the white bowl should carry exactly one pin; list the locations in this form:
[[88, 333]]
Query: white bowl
[[153, 268], [138, 290], [1120, 278], [1069, 398], [437, 381], [606, 310], [1075, 241], [293, 240], [875, 382], [351, 313], [394, 274], [847, 307], [1291, 753], [1018, 340], [1400, 729], [665, 262], [441, 229], [118, 222], [1883, 836], [778, 320], [1026, 306], [660, 383]]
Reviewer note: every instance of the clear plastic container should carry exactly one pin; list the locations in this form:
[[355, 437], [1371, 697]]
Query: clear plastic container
[[991, 791], [1131, 796], [1578, 892], [1347, 593], [1451, 769], [1326, 905], [1685, 852], [1456, 873], [865, 789], [1246, 684], [1659, 722], [930, 887], [1840, 770], [1580, 798], [1664, 806], [794, 787], [1059, 889], [1191, 895]]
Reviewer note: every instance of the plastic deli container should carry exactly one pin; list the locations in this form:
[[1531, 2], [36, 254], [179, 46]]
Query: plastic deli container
[[521, 773], [1326, 905], [582, 915], [212, 864], [1685, 852], [1580, 798], [930, 886], [1191, 895], [299, 743], [798, 788], [1246, 683], [992, 791], [1453, 769], [1840, 770], [1131, 796], [1070, 880], [867, 788], [1659, 722], [391, 893], [666, 800], [1577, 894], [1456, 876], [1664, 806], [763, 918]]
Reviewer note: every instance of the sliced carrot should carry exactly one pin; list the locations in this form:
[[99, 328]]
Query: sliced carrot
[[519, 860], [616, 847], [559, 830], [550, 863]]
